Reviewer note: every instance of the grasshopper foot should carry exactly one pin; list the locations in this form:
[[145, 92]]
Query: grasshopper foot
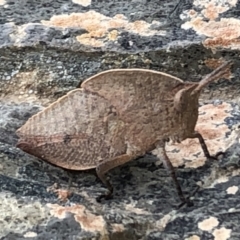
[[187, 201], [107, 196], [216, 156]]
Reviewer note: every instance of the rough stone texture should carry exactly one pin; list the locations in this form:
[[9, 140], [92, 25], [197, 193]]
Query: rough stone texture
[[42, 57]]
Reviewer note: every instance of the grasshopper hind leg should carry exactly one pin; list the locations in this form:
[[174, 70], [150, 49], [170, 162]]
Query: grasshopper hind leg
[[204, 146]]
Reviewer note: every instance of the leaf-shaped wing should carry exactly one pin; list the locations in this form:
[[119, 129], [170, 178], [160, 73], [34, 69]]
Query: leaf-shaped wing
[[76, 132]]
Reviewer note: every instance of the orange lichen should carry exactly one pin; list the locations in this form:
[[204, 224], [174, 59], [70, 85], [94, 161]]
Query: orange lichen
[[189, 152], [220, 42], [208, 224], [113, 35], [213, 63], [222, 234], [86, 39], [87, 220], [100, 27], [226, 28], [63, 194], [192, 13], [212, 11], [221, 33]]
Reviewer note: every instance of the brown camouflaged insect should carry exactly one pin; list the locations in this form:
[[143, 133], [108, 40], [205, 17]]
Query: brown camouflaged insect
[[117, 116]]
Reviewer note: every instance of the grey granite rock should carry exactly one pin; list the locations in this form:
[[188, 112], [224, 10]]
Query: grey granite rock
[[44, 54]]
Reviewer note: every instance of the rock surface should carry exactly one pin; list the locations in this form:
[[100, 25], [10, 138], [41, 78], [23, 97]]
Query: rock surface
[[48, 48]]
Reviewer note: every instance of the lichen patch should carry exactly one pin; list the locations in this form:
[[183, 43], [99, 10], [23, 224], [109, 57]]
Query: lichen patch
[[205, 3], [162, 223], [100, 27], [226, 28], [30, 235], [132, 208], [220, 33], [19, 215], [212, 11], [208, 224], [232, 190], [63, 194], [213, 129], [84, 3], [214, 179], [87, 220], [222, 233], [214, 63], [193, 237], [116, 227], [86, 39]]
